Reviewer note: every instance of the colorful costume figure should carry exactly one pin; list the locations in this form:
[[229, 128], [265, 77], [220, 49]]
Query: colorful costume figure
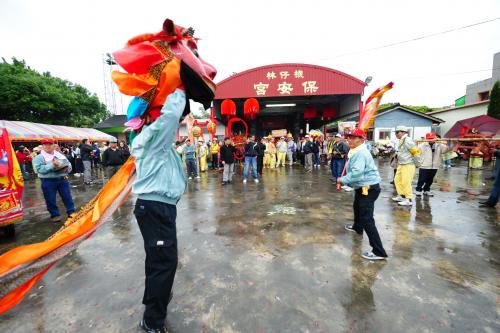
[[11, 186], [164, 71]]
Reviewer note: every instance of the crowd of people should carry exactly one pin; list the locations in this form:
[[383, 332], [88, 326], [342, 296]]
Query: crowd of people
[[83, 157], [53, 163]]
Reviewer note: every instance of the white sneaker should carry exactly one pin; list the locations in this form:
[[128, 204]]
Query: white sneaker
[[347, 188], [429, 193], [418, 193], [244, 181], [398, 198], [197, 177], [405, 202], [190, 177], [256, 180]]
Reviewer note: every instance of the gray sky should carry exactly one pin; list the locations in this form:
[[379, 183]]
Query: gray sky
[[68, 38]]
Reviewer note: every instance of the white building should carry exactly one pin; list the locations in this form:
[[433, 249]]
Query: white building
[[452, 115]]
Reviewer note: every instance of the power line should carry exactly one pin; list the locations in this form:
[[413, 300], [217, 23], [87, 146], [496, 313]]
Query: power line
[[445, 74], [410, 40]]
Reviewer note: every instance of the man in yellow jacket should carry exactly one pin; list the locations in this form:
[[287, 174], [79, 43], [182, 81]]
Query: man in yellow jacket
[[214, 150]]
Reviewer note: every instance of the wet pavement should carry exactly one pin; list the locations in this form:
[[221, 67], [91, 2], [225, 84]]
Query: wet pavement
[[274, 257]]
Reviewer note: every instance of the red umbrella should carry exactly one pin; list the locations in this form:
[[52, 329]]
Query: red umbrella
[[482, 124]]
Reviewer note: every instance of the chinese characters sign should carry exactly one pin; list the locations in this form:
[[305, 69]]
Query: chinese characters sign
[[285, 82]]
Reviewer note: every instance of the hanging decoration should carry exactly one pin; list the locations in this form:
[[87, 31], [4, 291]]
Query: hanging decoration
[[196, 131], [329, 112], [251, 108], [228, 108], [310, 113], [211, 127]]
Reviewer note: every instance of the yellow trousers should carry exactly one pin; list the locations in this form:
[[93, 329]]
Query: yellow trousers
[[203, 163], [272, 160], [281, 159], [267, 160], [403, 180]]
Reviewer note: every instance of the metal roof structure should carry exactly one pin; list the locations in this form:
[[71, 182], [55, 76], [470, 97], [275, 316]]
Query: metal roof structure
[[22, 131], [292, 79]]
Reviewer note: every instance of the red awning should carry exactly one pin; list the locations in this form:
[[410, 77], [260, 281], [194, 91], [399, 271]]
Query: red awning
[[485, 125]]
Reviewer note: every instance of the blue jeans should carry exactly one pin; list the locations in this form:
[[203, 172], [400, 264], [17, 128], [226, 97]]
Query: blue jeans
[[337, 166], [191, 167], [495, 193], [316, 160], [250, 160], [23, 170], [50, 187]]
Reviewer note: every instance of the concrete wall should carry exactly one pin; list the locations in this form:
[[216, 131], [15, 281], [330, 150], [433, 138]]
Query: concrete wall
[[473, 90], [349, 105], [451, 116]]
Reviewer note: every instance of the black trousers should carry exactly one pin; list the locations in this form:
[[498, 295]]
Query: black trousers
[[425, 179], [157, 224], [215, 161], [260, 164], [363, 207]]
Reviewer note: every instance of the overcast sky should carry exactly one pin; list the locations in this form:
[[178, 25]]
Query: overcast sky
[[69, 37]]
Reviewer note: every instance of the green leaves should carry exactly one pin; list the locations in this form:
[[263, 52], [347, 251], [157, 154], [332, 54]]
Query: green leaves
[[494, 106], [30, 96]]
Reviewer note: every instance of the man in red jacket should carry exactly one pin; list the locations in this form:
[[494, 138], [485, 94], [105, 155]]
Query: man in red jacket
[[22, 158]]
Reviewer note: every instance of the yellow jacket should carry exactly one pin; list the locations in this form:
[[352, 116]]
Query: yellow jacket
[[214, 148]]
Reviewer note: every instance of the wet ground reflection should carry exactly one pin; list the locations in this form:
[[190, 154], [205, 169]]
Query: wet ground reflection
[[274, 257]]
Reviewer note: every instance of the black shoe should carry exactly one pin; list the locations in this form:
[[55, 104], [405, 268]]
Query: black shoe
[[145, 328], [485, 204], [224, 183]]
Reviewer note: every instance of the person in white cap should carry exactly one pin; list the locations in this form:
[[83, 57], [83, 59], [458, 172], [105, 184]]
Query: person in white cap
[[282, 150], [408, 154]]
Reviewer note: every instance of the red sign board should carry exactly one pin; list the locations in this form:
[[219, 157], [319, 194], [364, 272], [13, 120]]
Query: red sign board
[[288, 80]]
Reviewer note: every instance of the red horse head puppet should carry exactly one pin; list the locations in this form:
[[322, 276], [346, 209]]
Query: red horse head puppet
[[157, 64]]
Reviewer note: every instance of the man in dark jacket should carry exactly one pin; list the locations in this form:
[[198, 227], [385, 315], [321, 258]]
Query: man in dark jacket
[[112, 159], [339, 155], [260, 155], [251, 152], [308, 153], [86, 154], [495, 193], [227, 157]]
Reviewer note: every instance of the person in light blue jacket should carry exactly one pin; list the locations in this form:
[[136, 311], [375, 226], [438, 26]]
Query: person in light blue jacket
[[159, 185], [363, 176], [53, 168]]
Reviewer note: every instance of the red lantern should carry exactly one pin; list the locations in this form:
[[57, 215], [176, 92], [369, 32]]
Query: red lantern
[[251, 108], [310, 113], [211, 127], [228, 108], [329, 112]]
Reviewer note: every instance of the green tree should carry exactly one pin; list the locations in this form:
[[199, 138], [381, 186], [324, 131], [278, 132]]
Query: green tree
[[494, 106], [30, 96]]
